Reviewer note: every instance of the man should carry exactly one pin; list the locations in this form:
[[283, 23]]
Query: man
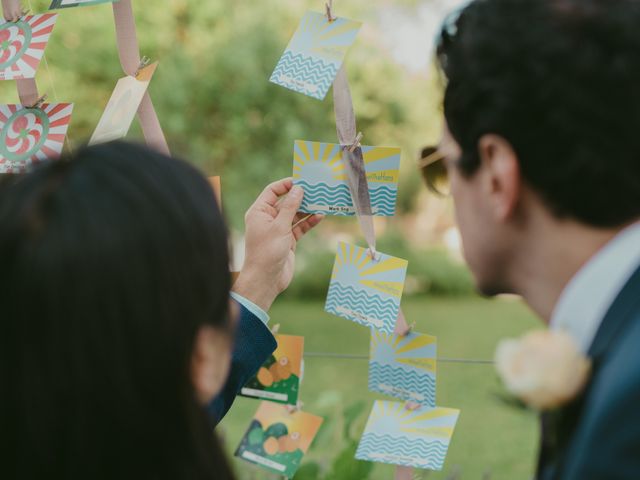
[[273, 228], [542, 148]]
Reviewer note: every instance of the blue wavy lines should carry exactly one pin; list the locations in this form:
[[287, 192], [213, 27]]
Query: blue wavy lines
[[405, 383], [411, 452], [304, 74], [357, 306], [336, 200]]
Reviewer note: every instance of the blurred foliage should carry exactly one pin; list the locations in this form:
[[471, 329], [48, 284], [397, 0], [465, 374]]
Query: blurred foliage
[[212, 93]]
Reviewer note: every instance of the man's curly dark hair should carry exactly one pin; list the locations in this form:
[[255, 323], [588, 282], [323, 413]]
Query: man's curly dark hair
[[559, 80]]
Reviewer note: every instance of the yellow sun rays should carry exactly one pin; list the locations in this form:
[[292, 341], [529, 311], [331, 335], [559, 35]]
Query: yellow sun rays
[[330, 156], [420, 341], [392, 263]]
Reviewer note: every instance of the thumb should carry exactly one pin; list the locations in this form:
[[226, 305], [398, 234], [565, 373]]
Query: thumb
[[289, 206]]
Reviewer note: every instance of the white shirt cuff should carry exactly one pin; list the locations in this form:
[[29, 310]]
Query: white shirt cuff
[[252, 307]]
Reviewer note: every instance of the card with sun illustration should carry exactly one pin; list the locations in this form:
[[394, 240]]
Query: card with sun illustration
[[314, 55], [278, 380], [366, 290], [278, 439], [77, 3], [404, 367], [22, 45], [31, 135], [318, 168], [411, 438]]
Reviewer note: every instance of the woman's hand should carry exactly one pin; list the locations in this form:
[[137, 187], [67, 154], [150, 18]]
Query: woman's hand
[[273, 228]]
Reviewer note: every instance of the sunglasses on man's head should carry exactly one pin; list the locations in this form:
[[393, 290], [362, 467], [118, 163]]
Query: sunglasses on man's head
[[434, 171]]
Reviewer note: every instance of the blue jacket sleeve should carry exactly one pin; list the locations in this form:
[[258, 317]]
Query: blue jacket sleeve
[[254, 343]]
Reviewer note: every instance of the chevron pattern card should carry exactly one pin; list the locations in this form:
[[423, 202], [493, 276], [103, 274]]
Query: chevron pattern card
[[31, 135], [318, 168], [123, 106], [77, 3], [364, 290], [278, 380], [411, 438], [277, 439], [404, 367], [314, 55], [22, 45]]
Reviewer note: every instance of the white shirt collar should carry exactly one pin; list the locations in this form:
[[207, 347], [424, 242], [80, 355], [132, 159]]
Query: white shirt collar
[[587, 297]]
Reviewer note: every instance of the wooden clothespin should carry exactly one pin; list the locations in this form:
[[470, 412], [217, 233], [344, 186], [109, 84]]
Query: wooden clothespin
[[39, 102], [373, 254], [23, 13], [294, 408], [402, 327], [329, 10], [144, 62], [356, 142]]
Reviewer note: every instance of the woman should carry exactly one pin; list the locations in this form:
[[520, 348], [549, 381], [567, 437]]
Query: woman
[[117, 328]]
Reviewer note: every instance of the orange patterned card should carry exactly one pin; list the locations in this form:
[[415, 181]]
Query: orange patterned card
[[278, 439], [278, 380]]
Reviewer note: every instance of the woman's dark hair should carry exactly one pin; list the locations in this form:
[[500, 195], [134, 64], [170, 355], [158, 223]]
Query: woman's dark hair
[[559, 79], [111, 260]]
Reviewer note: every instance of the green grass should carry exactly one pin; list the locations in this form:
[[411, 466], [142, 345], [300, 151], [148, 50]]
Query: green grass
[[489, 436]]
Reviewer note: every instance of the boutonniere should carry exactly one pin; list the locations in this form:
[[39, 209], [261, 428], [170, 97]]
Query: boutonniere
[[544, 369]]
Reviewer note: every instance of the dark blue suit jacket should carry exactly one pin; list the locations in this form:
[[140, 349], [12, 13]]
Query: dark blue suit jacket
[[598, 436], [254, 344]]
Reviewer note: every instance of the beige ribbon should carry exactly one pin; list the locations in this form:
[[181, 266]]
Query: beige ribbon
[[352, 157], [404, 473], [27, 91], [358, 185], [27, 88], [11, 10], [129, 52], [403, 329]]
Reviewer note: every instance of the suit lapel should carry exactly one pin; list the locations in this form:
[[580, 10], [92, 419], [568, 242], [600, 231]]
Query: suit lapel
[[618, 315], [558, 427]]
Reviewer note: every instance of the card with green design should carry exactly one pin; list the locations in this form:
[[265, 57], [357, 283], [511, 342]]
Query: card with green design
[[277, 439], [278, 380]]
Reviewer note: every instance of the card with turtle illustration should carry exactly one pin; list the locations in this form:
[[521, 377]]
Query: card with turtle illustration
[[277, 439], [278, 380]]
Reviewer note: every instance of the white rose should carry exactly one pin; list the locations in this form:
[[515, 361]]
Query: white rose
[[544, 368]]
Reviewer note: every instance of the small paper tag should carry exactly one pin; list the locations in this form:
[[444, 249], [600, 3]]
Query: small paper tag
[[315, 54], [277, 439], [404, 367], [319, 169], [122, 107], [413, 438], [364, 290]]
